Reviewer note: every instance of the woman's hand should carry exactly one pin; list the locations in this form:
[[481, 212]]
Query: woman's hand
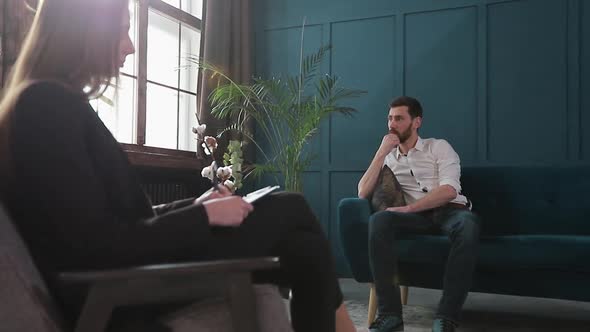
[[227, 211], [212, 194]]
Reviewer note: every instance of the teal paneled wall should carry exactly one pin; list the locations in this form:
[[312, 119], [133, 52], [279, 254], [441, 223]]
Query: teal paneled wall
[[527, 81], [440, 48], [274, 14], [506, 82], [366, 64]]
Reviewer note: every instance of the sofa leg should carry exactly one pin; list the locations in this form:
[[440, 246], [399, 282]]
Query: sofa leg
[[372, 305], [404, 294]]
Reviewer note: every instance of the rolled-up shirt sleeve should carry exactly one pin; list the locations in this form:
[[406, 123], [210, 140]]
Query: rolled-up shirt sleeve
[[449, 165]]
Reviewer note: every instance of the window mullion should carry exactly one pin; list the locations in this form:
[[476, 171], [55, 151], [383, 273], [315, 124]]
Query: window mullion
[[176, 13], [178, 87], [142, 70], [201, 56]]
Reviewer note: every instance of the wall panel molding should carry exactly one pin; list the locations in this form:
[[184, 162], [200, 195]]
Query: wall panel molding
[[482, 87], [584, 83], [573, 49]]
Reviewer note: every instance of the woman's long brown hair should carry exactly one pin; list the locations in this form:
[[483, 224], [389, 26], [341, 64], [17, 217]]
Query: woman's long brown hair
[[71, 42]]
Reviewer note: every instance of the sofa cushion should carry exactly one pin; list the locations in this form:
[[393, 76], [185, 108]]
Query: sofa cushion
[[530, 200], [559, 252]]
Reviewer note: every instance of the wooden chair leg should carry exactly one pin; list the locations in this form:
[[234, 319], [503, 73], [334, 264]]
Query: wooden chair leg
[[372, 305], [404, 294]]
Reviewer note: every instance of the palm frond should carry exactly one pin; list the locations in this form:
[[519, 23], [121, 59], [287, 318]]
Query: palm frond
[[236, 127], [312, 61], [258, 170], [348, 111]]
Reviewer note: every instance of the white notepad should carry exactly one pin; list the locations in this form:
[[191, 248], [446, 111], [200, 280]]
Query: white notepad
[[255, 195]]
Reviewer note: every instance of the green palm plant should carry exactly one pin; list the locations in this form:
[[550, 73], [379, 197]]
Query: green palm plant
[[287, 112]]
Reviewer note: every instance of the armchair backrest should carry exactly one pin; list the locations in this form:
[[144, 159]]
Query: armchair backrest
[[25, 302]]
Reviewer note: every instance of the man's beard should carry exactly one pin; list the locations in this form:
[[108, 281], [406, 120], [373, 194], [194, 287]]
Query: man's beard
[[403, 136]]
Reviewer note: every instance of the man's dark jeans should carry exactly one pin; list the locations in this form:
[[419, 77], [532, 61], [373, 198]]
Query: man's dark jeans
[[462, 228]]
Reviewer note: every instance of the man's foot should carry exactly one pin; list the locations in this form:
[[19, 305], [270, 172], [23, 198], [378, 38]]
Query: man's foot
[[443, 325], [387, 323]]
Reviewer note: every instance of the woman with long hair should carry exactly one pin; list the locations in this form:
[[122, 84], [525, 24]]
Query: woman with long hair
[[77, 203]]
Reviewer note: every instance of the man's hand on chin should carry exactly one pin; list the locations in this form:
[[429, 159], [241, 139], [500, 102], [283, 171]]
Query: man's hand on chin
[[403, 209]]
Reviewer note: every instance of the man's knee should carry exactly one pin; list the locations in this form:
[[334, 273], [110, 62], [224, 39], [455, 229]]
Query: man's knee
[[379, 222], [383, 224]]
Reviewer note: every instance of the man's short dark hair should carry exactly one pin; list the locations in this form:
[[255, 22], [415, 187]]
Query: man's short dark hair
[[414, 107]]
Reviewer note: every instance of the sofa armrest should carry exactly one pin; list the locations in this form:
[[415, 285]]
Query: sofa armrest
[[353, 223], [170, 283]]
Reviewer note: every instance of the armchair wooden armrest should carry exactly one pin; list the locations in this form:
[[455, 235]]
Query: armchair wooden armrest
[[169, 283]]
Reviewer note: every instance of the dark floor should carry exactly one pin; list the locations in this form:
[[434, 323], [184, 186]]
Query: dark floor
[[512, 313]]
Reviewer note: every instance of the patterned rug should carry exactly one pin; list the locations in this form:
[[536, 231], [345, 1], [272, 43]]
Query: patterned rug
[[416, 318], [419, 319]]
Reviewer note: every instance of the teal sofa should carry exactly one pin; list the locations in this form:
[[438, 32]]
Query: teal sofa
[[535, 238]]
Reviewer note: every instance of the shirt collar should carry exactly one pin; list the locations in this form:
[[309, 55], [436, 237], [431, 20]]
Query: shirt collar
[[419, 146]]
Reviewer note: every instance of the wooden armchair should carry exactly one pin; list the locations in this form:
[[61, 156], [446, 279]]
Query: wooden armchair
[[27, 305]]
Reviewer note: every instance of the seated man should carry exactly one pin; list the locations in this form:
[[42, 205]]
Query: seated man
[[428, 171]]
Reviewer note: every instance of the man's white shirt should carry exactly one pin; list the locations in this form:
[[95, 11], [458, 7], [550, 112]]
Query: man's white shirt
[[430, 164]]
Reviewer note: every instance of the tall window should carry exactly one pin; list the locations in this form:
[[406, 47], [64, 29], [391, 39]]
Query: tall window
[[155, 102]]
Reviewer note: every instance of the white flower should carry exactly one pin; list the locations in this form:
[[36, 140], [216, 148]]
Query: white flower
[[200, 129], [224, 172], [229, 184], [207, 172], [209, 144]]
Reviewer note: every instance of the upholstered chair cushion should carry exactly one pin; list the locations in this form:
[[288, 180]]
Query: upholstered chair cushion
[[213, 315], [25, 303]]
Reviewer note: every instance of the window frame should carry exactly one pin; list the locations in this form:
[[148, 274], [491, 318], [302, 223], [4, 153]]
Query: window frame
[[139, 153]]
